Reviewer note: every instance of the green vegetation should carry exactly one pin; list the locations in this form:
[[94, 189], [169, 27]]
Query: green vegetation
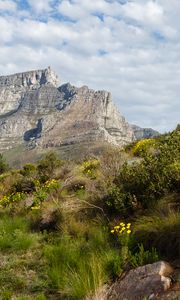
[[68, 227], [3, 164]]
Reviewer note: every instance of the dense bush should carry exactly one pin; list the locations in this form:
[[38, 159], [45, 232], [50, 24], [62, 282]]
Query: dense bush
[[144, 147], [47, 166], [28, 170], [141, 183]]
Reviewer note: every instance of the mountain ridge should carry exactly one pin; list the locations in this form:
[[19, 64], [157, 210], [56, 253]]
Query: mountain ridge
[[35, 109]]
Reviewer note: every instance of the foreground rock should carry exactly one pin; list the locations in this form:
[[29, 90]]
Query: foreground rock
[[147, 281], [151, 281]]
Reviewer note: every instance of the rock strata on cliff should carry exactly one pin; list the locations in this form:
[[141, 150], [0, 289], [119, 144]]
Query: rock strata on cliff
[[33, 107], [36, 112]]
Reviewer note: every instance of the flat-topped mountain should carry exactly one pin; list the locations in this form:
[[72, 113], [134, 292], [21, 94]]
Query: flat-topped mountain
[[35, 111]]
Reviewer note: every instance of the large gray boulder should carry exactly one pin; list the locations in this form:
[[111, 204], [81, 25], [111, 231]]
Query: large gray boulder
[[151, 281], [147, 281]]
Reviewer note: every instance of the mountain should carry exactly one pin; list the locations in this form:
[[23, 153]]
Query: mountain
[[37, 112], [143, 133]]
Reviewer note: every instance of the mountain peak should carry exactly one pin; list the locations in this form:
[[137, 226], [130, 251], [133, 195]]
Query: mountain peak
[[31, 79], [36, 112]]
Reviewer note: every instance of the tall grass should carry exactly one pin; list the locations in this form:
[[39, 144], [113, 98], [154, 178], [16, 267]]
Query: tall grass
[[88, 276], [77, 267], [161, 231], [14, 234]]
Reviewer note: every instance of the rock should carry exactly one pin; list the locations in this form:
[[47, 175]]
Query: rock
[[34, 107], [13, 88], [147, 281], [143, 133]]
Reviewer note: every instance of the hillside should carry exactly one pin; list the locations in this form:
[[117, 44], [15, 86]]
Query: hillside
[[69, 227]]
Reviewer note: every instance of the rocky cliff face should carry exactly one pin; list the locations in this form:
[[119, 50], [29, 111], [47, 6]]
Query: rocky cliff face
[[35, 110], [14, 88]]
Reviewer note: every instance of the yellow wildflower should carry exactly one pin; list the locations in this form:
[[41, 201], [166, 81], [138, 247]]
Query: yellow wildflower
[[112, 231], [128, 231], [35, 207], [116, 227]]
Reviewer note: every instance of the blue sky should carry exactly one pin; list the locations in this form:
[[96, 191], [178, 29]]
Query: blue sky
[[131, 48]]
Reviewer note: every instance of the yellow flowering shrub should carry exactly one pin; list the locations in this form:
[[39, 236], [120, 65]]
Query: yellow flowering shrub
[[51, 184], [12, 198], [89, 167], [143, 146]]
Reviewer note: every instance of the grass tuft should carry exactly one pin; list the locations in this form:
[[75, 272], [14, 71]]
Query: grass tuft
[[161, 232]]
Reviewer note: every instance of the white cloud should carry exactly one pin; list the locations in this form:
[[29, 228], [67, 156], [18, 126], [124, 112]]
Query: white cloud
[[131, 50], [7, 5], [147, 12], [40, 6]]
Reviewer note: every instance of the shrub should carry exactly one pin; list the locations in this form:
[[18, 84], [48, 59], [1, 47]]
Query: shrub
[[178, 127], [89, 167], [174, 174], [143, 147], [28, 170], [39, 197], [3, 164], [26, 185], [111, 162], [118, 201], [47, 166], [146, 181], [142, 257], [10, 199], [76, 183]]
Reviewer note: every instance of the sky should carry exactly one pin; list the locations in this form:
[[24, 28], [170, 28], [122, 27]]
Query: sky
[[130, 48]]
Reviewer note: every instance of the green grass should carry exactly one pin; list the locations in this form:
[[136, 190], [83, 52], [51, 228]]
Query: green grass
[[77, 254], [161, 231], [80, 266], [88, 276], [14, 234]]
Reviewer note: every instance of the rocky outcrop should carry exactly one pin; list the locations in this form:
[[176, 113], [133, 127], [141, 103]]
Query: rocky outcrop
[[34, 108], [153, 281], [147, 281], [143, 133], [14, 88]]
